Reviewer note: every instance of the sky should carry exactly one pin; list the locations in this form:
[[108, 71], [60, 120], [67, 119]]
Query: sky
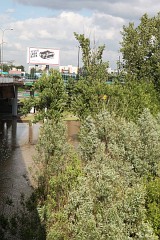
[[52, 23]]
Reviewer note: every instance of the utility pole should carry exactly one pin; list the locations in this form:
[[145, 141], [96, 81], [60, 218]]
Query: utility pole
[[3, 31], [118, 65], [78, 62]]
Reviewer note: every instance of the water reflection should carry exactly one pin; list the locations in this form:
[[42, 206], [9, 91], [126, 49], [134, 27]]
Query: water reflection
[[17, 134], [17, 147]]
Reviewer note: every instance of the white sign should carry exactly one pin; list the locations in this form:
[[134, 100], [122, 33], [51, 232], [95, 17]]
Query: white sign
[[46, 56]]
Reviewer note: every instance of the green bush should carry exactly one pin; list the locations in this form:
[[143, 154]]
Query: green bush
[[153, 204], [99, 192], [110, 195]]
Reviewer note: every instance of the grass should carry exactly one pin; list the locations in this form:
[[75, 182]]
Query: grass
[[69, 117], [27, 118], [30, 117]]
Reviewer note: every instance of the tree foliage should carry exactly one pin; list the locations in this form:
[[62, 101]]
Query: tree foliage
[[141, 49], [88, 92], [7, 67], [59, 168], [130, 98], [110, 196], [127, 98], [106, 188], [51, 100], [103, 183], [153, 204]]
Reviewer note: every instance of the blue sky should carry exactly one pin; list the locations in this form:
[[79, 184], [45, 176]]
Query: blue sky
[[50, 23], [21, 12]]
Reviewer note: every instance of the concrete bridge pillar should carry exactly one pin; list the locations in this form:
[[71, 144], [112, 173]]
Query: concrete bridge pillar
[[15, 102]]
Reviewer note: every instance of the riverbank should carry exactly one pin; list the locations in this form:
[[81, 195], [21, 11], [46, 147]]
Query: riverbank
[[30, 117]]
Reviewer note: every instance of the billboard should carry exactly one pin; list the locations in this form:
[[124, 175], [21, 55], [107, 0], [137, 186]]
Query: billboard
[[46, 56]]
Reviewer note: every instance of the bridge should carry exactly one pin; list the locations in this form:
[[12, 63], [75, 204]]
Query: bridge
[[9, 94]]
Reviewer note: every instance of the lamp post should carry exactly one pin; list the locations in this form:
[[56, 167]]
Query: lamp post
[[3, 31], [78, 62]]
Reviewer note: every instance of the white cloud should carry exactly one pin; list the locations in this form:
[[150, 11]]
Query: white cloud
[[100, 20], [57, 32], [122, 8], [10, 10]]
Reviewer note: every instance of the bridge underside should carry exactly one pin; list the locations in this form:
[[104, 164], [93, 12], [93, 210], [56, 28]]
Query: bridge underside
[[7, 92], [8, 99], [5, 106], [9, 95]]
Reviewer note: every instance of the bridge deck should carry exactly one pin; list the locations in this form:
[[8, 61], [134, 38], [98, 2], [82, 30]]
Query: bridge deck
[[6, 81]]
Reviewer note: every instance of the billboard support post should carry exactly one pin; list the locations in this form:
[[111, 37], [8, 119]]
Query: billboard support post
[[47, 70]]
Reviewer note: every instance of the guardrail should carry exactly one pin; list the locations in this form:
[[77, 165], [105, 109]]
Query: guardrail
[[15, 80], [6, 80]]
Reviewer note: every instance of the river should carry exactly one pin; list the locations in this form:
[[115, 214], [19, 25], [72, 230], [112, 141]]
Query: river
[[16, 151], [17, 148]]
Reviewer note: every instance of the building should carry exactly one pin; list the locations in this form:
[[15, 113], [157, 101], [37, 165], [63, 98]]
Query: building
[[68, 69], [16, 73], [68, 72]]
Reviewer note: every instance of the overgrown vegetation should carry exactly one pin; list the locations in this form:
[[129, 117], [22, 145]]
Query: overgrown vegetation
[[99, 192], [108, 188], [141, 49], [51, 100], [24, 223]]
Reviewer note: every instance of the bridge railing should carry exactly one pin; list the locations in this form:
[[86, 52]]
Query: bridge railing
[[6, 80], [17, 80]]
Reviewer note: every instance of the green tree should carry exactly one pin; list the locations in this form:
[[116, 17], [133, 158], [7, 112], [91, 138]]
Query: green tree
[[57, 175], [141, 49], [70, 88], [32, 73], [88, 92], [153, 204], [110, 195], [103, 182], [51, 100], [127, 96], [6, 68], [20, 67], [129, 99]]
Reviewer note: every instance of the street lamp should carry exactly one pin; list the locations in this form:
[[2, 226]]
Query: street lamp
[[78, 61], [3, 31]]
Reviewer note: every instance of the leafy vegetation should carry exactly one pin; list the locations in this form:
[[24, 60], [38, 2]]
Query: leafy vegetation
[[130, 99], [59, 170], [87, 94], [141, 48], [108, 188], [153, 204], [51, 100], [6, 67], [103, 182], [24, 222]]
